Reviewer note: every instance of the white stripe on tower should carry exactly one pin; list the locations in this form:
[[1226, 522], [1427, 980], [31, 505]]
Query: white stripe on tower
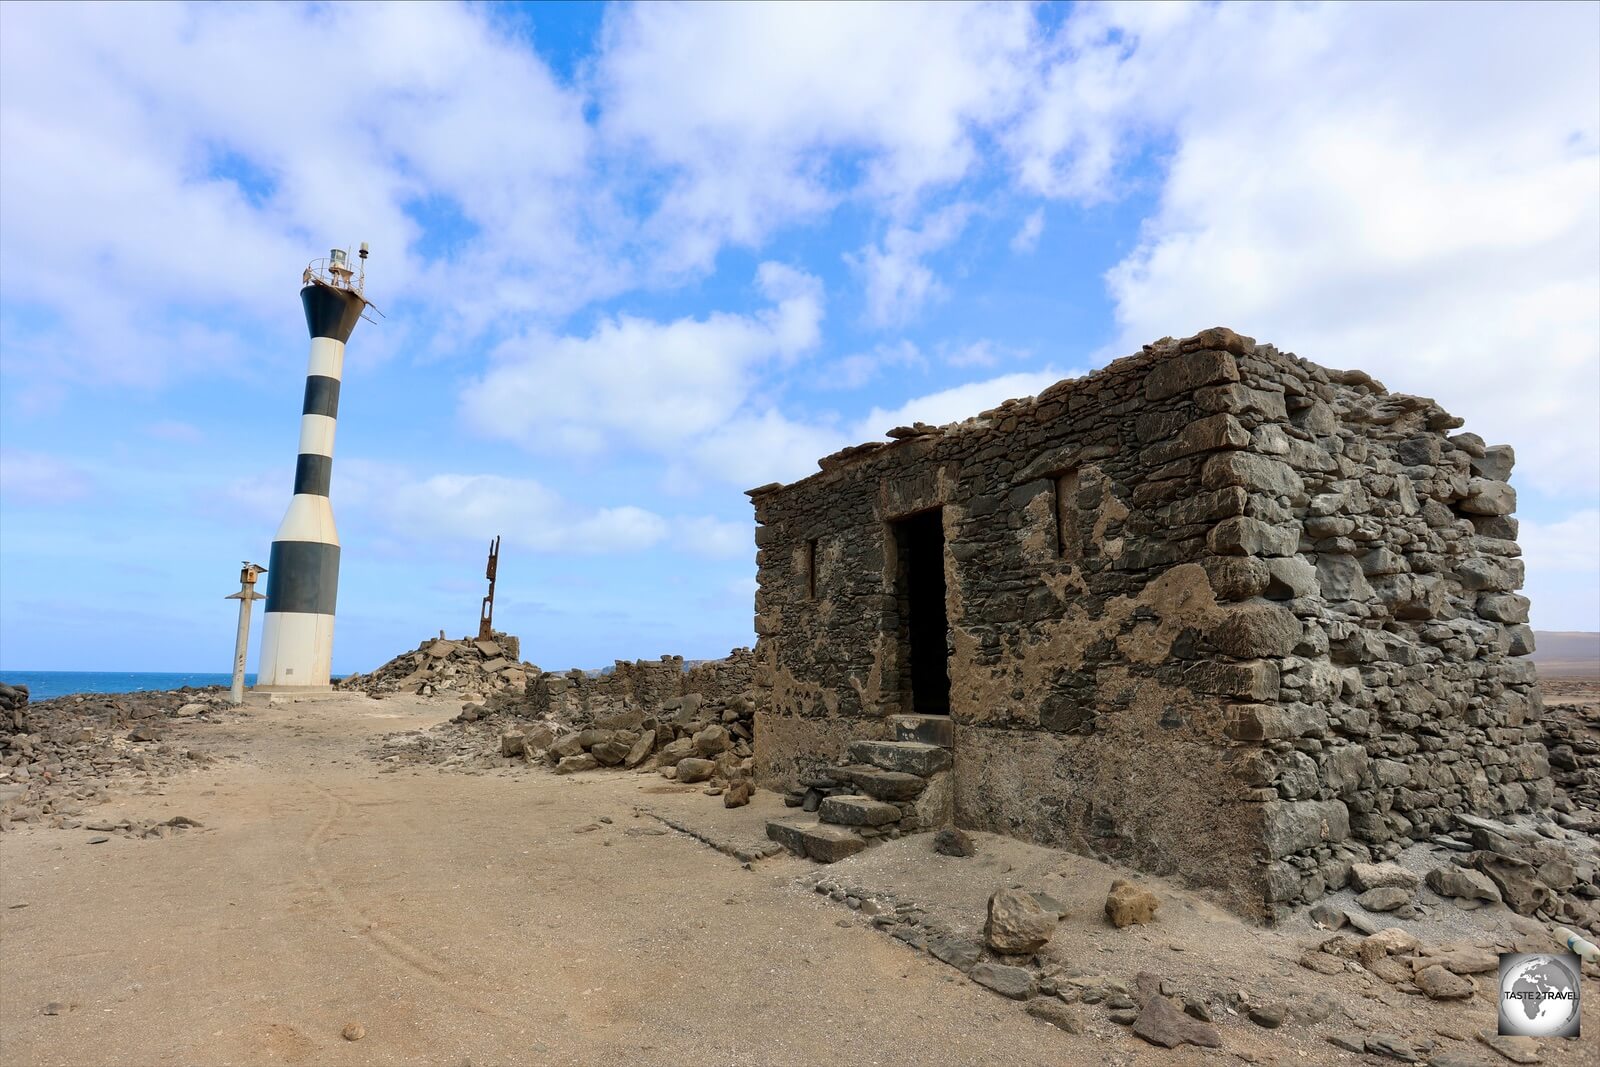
[[303, 572]]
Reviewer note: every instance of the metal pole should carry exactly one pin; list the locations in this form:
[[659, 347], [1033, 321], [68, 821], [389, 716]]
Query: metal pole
[[245, 596]]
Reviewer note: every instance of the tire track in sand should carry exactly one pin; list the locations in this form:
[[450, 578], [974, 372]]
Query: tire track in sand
[[412, 958]]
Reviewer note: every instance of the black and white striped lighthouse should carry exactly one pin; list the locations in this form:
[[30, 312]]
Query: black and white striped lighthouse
[[303, 572]]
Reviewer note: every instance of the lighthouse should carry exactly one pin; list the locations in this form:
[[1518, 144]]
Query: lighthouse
[[303, 571]]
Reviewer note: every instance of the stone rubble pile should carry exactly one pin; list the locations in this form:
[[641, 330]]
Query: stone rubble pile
[[438, 665], [59, 755], [687, 739], [1572, 741]]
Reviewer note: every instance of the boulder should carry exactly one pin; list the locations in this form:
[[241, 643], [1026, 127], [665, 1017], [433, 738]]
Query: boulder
[[1128, 903], [1381, 875], [693, 769], [513, 743], [640, 750], [1463, 884], [1018, 925], [610, 753], [712, 740], [583, 761], [1384, 898]]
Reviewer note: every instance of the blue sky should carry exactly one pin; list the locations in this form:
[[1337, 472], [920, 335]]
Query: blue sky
[[635, 260]]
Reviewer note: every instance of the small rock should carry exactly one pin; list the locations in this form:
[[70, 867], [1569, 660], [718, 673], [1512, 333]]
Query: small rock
[[737, 794], [354, 1031], [1270, 1016], [1391, 1046], [1160, 1023], [1515, 1049], [951, 841], [1057, 1014], [1128, 903], [1327, 916], [1440, 984], [55, 1007], [1349, 1042], [1124, 1016], [1014, 982], [1322, 963], [513, 743], [956, 951], [1017, 925]]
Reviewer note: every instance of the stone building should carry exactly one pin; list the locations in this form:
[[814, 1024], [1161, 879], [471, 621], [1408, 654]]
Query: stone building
[[1213, 612]]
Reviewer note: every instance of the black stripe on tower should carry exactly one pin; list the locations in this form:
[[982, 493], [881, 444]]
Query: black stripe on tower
[[322, 396], [303, 576], [313, 474], [331, 312]]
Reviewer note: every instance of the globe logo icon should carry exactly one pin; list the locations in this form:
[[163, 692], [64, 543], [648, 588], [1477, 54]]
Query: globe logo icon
[[1539, 994]]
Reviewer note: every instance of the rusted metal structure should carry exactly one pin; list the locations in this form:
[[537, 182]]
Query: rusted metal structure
[[486, 615]]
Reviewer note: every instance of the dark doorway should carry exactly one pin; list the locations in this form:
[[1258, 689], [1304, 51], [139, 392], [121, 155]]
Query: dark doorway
[[924, 628]]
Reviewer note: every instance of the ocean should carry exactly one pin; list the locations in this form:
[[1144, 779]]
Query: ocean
[[42, 685]]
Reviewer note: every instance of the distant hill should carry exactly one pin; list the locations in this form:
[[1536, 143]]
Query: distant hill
[[1567, 654]]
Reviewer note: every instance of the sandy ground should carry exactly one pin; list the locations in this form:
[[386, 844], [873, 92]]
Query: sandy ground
[[491, 918]]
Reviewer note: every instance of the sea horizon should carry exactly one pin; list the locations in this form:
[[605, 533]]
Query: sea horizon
[[47, 685]]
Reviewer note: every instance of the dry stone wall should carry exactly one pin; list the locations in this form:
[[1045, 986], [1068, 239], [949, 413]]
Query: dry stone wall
[[577, 696], [1214, 611]]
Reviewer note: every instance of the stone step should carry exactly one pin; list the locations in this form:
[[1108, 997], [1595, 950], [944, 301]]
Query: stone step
[[807, 837], [847, 810], [879, 783], [912, 757], [929, 729]]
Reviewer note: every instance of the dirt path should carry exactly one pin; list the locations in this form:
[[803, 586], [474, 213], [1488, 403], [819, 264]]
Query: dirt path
[[458, 918], [512, 916]]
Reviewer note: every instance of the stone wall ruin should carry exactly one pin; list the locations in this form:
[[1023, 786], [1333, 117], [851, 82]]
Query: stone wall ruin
[[1213, 612]]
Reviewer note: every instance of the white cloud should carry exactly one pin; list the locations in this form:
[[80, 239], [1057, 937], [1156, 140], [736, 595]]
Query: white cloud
[[859, 368], [715, 538], [752, 450], [642, 382], [957, 404], [37, 478], [899, 283], [744, 104], [229, 128], [1432, 222], [477, 506], [1563, 566], [1026, 239]]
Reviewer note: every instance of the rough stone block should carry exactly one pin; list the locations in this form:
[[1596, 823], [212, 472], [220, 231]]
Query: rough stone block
[[1258, 474], [1254, 630], [1244, 536], [1268, 722], [911, 757], [1188, 372], [848, 810], [1294, 826]]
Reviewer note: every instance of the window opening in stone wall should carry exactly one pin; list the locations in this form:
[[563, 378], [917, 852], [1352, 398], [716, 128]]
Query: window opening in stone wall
[[924, 627], [811, 569], [1067, 542]]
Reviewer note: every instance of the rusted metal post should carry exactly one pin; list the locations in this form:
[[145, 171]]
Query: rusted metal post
[[245, 596], [486, 614]]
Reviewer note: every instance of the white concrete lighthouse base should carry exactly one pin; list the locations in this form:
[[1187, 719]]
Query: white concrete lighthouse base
[[296, 651]]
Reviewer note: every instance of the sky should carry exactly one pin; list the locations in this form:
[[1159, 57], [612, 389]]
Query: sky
[[633, 260]]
